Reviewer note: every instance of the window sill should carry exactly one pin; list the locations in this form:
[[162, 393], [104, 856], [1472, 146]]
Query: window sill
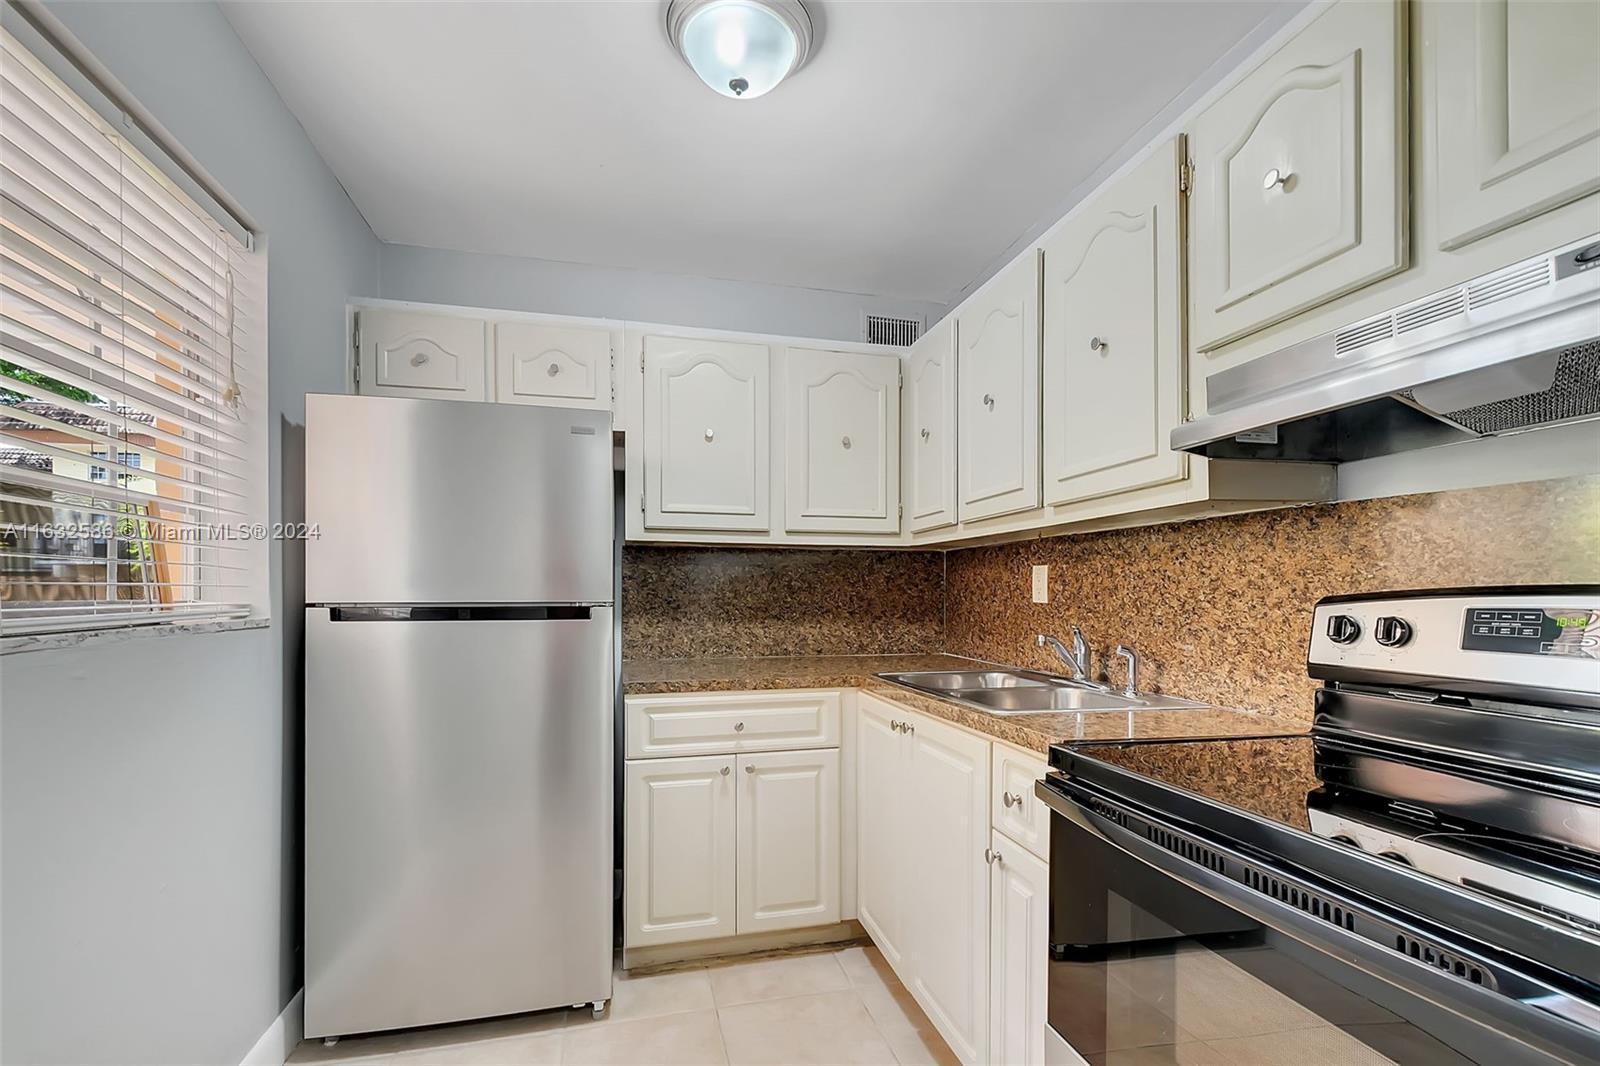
[[50, 641]]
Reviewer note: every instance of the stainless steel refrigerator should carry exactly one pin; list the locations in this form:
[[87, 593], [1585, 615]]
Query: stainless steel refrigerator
[[459, 671]]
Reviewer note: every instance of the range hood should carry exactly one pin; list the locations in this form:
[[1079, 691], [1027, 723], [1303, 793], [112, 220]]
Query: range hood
[[1513, 350]]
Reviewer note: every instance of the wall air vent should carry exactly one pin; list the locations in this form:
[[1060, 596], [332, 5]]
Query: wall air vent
[[888, 329]]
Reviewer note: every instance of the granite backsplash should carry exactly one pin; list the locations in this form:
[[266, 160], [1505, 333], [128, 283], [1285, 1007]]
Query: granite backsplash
[[1219, 609], [692, 603]]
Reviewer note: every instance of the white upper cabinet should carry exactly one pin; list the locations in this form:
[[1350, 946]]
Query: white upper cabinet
[[1300, 175], [707, 427], [928, 429], [1113, 352], [555, 366], [997, 337], [1518, 112], [430, 357], [841, 442]]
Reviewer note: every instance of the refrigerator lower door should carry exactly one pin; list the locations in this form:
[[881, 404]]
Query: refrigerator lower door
[[458, 815]]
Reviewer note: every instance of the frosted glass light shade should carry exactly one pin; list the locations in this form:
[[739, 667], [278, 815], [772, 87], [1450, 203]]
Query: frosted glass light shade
[[740, 48]]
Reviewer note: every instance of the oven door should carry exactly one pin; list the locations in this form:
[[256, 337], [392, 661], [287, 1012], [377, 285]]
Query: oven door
[[1164, 948]]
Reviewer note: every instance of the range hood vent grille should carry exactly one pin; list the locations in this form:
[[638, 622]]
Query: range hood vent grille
[[1508, 283], [1575, 393]]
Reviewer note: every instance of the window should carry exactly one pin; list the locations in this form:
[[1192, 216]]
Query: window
[[132, 379]]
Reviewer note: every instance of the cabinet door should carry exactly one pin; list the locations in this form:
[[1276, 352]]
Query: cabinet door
[[1113, 354], [556, 366], [841, 442], [678, 850], [997, 334], [1300, 172], [928, 434], [881, 846], [707, 428], [788, 866], [947, 891], [1019, 954], [428, 357], [1516, 108]]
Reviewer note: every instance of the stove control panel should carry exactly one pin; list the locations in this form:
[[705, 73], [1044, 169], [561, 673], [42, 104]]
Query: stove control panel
[[1533, 630], [1542, 639]]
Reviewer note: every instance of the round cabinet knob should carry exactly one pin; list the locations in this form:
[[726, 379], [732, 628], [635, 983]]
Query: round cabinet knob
[[846, 442], [738, 727], [991, 857], [1097, 344], [1010, 800], [724, 771], [749, 768], [1392, 632], [1343, 629], [710, 435], [553, 369], [1275, 177], [988, 401], [419, 358], [925, 433]]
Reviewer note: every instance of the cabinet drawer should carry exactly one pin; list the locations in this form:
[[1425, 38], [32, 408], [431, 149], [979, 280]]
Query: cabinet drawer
[[1015, 810], [704, 723]]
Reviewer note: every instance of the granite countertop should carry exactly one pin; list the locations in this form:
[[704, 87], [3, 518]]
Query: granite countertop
[[1035, 732]]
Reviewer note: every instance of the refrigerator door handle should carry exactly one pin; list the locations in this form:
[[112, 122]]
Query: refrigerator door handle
[[466, 613]]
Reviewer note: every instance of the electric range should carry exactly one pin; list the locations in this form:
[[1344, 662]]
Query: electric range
[[1416, 880]]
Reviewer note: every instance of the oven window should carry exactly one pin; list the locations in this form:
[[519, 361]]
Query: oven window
[[1144, 970]]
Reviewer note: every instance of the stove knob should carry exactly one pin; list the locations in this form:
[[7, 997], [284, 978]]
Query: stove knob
[[1392, 632], [1343, 629]]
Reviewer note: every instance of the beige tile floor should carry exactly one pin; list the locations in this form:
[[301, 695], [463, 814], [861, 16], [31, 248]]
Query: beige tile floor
[[840, 1005]]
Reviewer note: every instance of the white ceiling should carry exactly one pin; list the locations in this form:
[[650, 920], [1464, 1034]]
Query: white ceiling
[[921, 139]]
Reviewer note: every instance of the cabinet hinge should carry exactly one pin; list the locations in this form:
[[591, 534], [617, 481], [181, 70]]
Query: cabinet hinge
[[641, 358], [1186, 176], [355, 347]]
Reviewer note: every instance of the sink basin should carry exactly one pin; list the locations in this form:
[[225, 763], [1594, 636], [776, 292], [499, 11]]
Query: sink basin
[[1004, 691]]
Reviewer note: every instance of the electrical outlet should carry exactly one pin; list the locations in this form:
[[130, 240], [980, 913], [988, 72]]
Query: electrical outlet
[[1041, 584]]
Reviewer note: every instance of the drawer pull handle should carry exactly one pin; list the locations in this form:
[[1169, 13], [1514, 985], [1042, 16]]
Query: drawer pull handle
[[724, 771], [553, 369], [419, 358], [1275, 177], [1011, 800], [738, 727]]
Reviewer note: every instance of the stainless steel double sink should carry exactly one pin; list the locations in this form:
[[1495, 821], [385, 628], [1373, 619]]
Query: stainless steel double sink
[[1004, 691]]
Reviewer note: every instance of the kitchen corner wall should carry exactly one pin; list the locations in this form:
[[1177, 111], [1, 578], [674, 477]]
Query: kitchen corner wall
[[693, 603], [1220, 609]]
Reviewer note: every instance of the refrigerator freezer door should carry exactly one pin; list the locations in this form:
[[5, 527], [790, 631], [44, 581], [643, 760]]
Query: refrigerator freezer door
[[458, 818], [428, 501]]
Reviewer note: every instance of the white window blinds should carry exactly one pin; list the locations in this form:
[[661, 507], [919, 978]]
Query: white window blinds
[[132, 379]]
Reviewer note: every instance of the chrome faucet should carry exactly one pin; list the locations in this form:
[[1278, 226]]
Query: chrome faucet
[[1131, 688], [1077, 659]]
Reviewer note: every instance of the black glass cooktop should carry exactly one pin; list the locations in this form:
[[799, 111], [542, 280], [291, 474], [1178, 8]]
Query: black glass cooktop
[[1524, 838]]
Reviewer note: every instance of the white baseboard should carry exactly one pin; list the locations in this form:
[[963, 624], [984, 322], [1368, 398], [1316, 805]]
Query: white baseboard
[[281, 1037]]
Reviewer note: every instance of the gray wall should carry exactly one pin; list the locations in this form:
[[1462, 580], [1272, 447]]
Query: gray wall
[[517, 284], [150, 787]]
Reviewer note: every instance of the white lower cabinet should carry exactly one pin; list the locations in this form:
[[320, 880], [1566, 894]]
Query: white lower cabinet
[[923, 895], [1019, 959], [678, 849], [737, 841], [788, 840]]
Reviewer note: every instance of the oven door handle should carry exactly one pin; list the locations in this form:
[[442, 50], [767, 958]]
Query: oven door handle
[[1551, 1019]]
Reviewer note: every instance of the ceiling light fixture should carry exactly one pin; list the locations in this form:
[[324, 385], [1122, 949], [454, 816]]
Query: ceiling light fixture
[[741, 48]]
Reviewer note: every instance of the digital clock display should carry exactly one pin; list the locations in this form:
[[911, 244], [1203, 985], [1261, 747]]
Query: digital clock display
[[1560, 631]]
